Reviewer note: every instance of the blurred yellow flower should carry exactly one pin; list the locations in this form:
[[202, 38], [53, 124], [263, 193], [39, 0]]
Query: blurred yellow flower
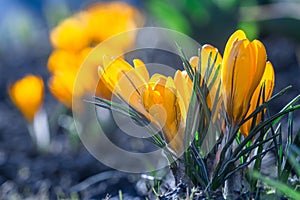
[[107, 19], [61, 85], [64, 65], [62, 60], [157, 98], [71, 34], [267, 82], [75, 37], [242, 68], [27, 94]]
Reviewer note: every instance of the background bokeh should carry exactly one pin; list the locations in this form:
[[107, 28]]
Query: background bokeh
[[25, 47]]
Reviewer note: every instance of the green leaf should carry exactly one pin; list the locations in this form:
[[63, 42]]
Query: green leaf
[[169, 15], [279, 186], [292, 157], [138, 117], [261, 125], [267, 103]]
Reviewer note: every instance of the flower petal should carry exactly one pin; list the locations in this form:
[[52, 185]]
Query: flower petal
[[242, 68], [27, 94], [267, 81]]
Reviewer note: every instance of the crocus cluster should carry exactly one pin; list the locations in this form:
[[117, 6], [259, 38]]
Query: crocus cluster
[[75, 37], [239, 76]]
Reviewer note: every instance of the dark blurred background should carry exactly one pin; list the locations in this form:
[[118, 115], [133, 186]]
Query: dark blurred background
[[25, 47]]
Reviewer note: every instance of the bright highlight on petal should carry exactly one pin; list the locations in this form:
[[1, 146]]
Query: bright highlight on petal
[[27, 94]]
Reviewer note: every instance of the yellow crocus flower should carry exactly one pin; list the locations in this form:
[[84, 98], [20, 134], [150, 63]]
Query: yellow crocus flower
[[64, 66], [74, 38], [123, 80], [206, 63], [184, 84], [61, 85], [60, 60], [71, 34], [107, 19], [102, 90], [161, 100], [27, 94], [267, 81], [156, 98], [242, 68]]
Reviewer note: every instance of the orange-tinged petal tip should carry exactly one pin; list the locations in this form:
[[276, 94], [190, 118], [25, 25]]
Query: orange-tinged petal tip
[[209, 48]]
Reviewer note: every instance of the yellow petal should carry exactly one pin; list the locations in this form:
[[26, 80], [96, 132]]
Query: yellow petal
[[141, 69], [157, 78], [206, 51], [160, 100], [261, 58], [27, 94], [102, 90], [210, 61], [61, 86], [235, 37], [194, 62], [61, 60], [267, 80], [242, 68], [123, 80], [83, 55], [71, 34], [110, 18], [113, 70], [209, 56], [184, 87]]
